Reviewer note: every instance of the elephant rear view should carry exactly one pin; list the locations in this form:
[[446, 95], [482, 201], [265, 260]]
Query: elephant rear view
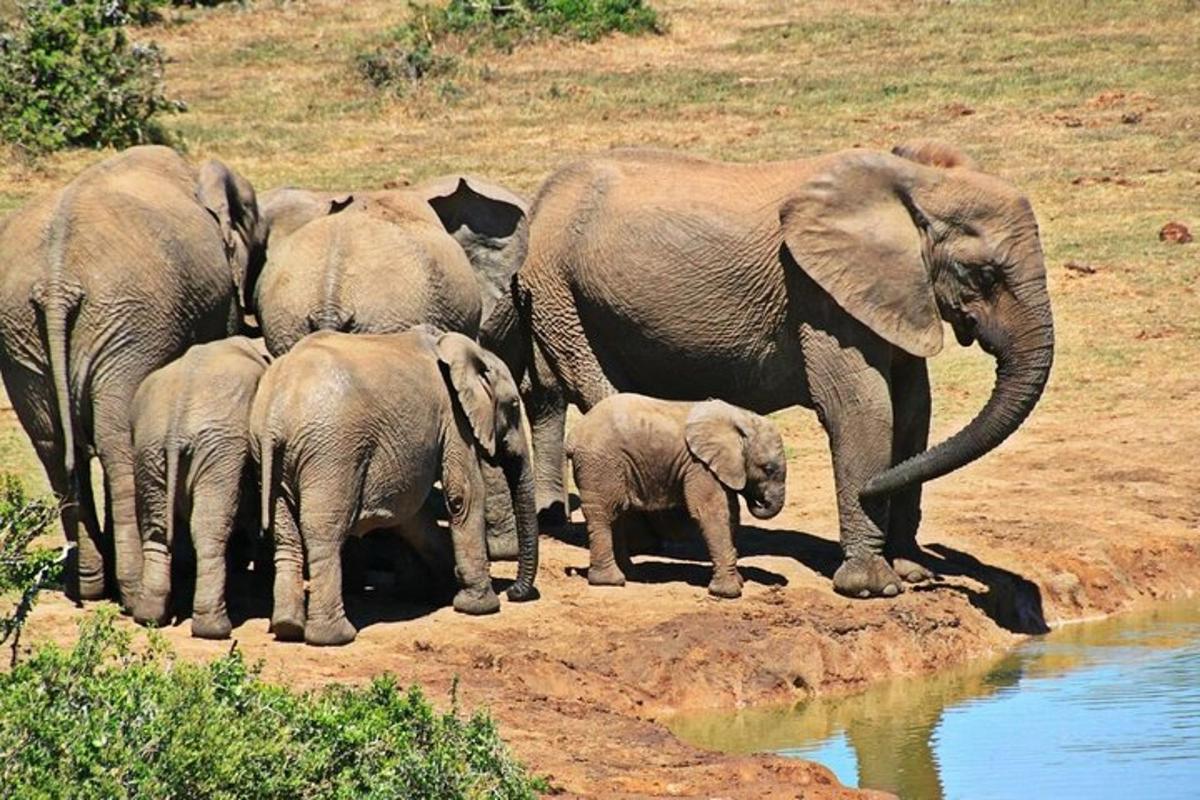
[[384, 261], [191, 438], [352, 432], [101, 283]]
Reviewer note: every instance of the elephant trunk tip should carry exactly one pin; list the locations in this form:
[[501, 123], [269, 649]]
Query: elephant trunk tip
[[522, 592]]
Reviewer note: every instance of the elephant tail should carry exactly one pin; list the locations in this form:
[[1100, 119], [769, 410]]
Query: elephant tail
[[59, 302], [172, 454], [266, 460]]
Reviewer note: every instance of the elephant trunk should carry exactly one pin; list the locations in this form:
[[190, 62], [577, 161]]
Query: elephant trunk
[[519, 472], [1024, 353]]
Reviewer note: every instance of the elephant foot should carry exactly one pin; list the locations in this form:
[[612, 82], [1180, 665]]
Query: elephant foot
[[128, 593], [287, 628], [726, 586], [610, 575], [329, 633], [151, 611], [910, 571], [474, 602], [211, 626], [91, 589], [868, 576], [553, 515]]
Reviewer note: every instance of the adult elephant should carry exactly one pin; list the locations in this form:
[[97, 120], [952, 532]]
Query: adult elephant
[[103, 282], [382, 261], [821, 282], [440, 253]]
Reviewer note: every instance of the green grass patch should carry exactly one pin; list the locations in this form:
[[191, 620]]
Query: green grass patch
[[108, 719], [435, 38]]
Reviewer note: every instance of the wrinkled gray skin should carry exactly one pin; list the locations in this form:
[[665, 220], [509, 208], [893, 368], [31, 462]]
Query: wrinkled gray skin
[[194, 469], [637, 453], [352, 432], [382, 261], [822, 283], [440, 253], [101, 283]]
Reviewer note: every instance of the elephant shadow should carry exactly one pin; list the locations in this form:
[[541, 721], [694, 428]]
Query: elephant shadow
[[1010, 600]]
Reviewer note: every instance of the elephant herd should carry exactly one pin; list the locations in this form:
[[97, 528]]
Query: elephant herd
[[403, 331]]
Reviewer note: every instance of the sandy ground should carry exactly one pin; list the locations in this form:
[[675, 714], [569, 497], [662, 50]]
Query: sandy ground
[[1053, 527]]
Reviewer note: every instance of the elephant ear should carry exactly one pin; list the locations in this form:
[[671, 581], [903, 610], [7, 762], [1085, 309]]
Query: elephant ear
[[468, 374], [230, 199], [856, 230], [715, 437], [934, 153], [490, 224], [286, 209]]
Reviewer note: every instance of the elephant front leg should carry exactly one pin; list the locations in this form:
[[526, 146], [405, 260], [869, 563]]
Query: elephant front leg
[[910, 413], [716, 512], [599, 519], [547, 409], [850, 390]]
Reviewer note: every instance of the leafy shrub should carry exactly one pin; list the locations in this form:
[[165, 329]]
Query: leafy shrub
[[106, 719], [147, 12], [69, 77], [413, 50], [23, 572]]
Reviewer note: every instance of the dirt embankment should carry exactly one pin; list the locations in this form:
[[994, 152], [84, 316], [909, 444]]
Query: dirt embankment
[[1046, 530]]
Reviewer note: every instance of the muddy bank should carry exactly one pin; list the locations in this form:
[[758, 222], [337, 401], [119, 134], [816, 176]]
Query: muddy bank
[[579, 679]]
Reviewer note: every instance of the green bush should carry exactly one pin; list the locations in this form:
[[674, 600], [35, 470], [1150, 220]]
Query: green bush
[[70, 77], [24, 572], [107, 720], [413, 50]]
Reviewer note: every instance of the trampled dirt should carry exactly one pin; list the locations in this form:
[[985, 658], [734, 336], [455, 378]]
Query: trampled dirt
[[1051, 528]]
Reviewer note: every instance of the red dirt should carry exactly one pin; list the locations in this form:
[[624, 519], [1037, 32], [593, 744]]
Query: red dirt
[[1053, 527]]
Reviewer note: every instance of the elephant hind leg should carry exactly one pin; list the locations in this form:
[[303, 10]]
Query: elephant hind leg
[[910, 435], [152, 605], [287, 614], [85, 562], [324, 525], [115, 446], [214, 509]]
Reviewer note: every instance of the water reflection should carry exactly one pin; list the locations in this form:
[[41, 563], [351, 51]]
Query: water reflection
[[1107, 709]]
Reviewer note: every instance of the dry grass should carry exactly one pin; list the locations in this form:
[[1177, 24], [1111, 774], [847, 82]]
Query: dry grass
[[1035, 90]]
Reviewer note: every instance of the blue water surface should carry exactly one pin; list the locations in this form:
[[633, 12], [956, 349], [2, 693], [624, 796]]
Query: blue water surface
[[1097, 710]]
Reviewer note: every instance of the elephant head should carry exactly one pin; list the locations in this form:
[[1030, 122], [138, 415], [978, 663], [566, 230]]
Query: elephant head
[[230, 199], [743, 450], [489, 223], [903, 241], [488, 397]]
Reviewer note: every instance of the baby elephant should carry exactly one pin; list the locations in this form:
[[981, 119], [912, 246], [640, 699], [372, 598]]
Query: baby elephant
[[636, 453], [193, 465], [352, 432]]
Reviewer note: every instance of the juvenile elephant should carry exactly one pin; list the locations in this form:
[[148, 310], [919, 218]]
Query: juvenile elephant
[[193, 465], [821, 282], [101, 283], [383, 261], [352, 431], [636, 453]]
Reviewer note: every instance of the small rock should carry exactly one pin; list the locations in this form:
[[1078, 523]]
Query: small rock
[[1131, 117], [959, 110], [1080, 267], [1175, 232]]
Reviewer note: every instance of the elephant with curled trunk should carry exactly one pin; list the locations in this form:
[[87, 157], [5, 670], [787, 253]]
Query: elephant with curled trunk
[[194, 470], [352, 432], [101, 283], [821, 282]]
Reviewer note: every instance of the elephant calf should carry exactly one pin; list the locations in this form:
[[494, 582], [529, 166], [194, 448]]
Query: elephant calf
[[636, 453], [191, 441], [352, 432]]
